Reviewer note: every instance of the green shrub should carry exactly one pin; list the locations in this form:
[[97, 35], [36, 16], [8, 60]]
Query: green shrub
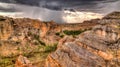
[[42, 43], [2, 19], [29, 33], [61, 36], [38, 39], [50, 48], [73, 32], [58, 34], [4, 62]]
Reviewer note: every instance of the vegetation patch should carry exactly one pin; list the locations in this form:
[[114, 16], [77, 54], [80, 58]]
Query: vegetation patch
[[7, 62], [59, 34], [32, 52], [50, 48], [73, 32]]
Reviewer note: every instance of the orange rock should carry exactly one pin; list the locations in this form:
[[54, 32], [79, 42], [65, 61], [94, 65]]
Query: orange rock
[[51, 62], [23, 62], [6, 29], [105, 55]]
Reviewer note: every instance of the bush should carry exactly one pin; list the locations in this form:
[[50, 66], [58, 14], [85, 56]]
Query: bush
[[50, 48], [38, 39], [71, 32], [61, 36], [58, 34]]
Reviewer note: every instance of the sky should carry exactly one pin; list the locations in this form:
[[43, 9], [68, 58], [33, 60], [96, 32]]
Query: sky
[[61, 11]]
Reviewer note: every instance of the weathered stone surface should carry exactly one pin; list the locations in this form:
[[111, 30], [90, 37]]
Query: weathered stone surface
[[90, 49], [6, 29], [99, 37], [24, 35], [23, 62], [113, 15], [99, 47], [72, 55]]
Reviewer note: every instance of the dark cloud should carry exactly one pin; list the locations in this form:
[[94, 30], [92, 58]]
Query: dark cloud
[[61, 4], [47, 10]]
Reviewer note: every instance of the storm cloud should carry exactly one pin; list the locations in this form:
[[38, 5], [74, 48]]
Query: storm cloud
[[58, 10], [91, 5]]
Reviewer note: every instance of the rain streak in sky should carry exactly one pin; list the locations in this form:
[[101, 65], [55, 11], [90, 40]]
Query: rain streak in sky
[[60, 11]]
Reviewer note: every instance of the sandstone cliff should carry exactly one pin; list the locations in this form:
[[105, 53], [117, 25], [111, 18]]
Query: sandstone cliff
[[99, 47], [20, 28], [33, 39], [92, 43]]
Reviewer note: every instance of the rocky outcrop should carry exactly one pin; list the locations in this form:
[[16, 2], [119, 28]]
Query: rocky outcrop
[[98, 47], [23, 62], [6, 28], [113, 15], [21, 28]]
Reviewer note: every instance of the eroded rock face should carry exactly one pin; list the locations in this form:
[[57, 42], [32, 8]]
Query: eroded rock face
[[23, 62], [98, 47], [71, 55], [95, 48], [6, 28], [113, 15], [18, 28]]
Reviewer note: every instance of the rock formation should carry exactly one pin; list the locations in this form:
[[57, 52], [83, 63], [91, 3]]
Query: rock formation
[[20, 28], [99, 47], [96, 45], [113, 15], [6, 28], [23, 62], [91, 49]]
